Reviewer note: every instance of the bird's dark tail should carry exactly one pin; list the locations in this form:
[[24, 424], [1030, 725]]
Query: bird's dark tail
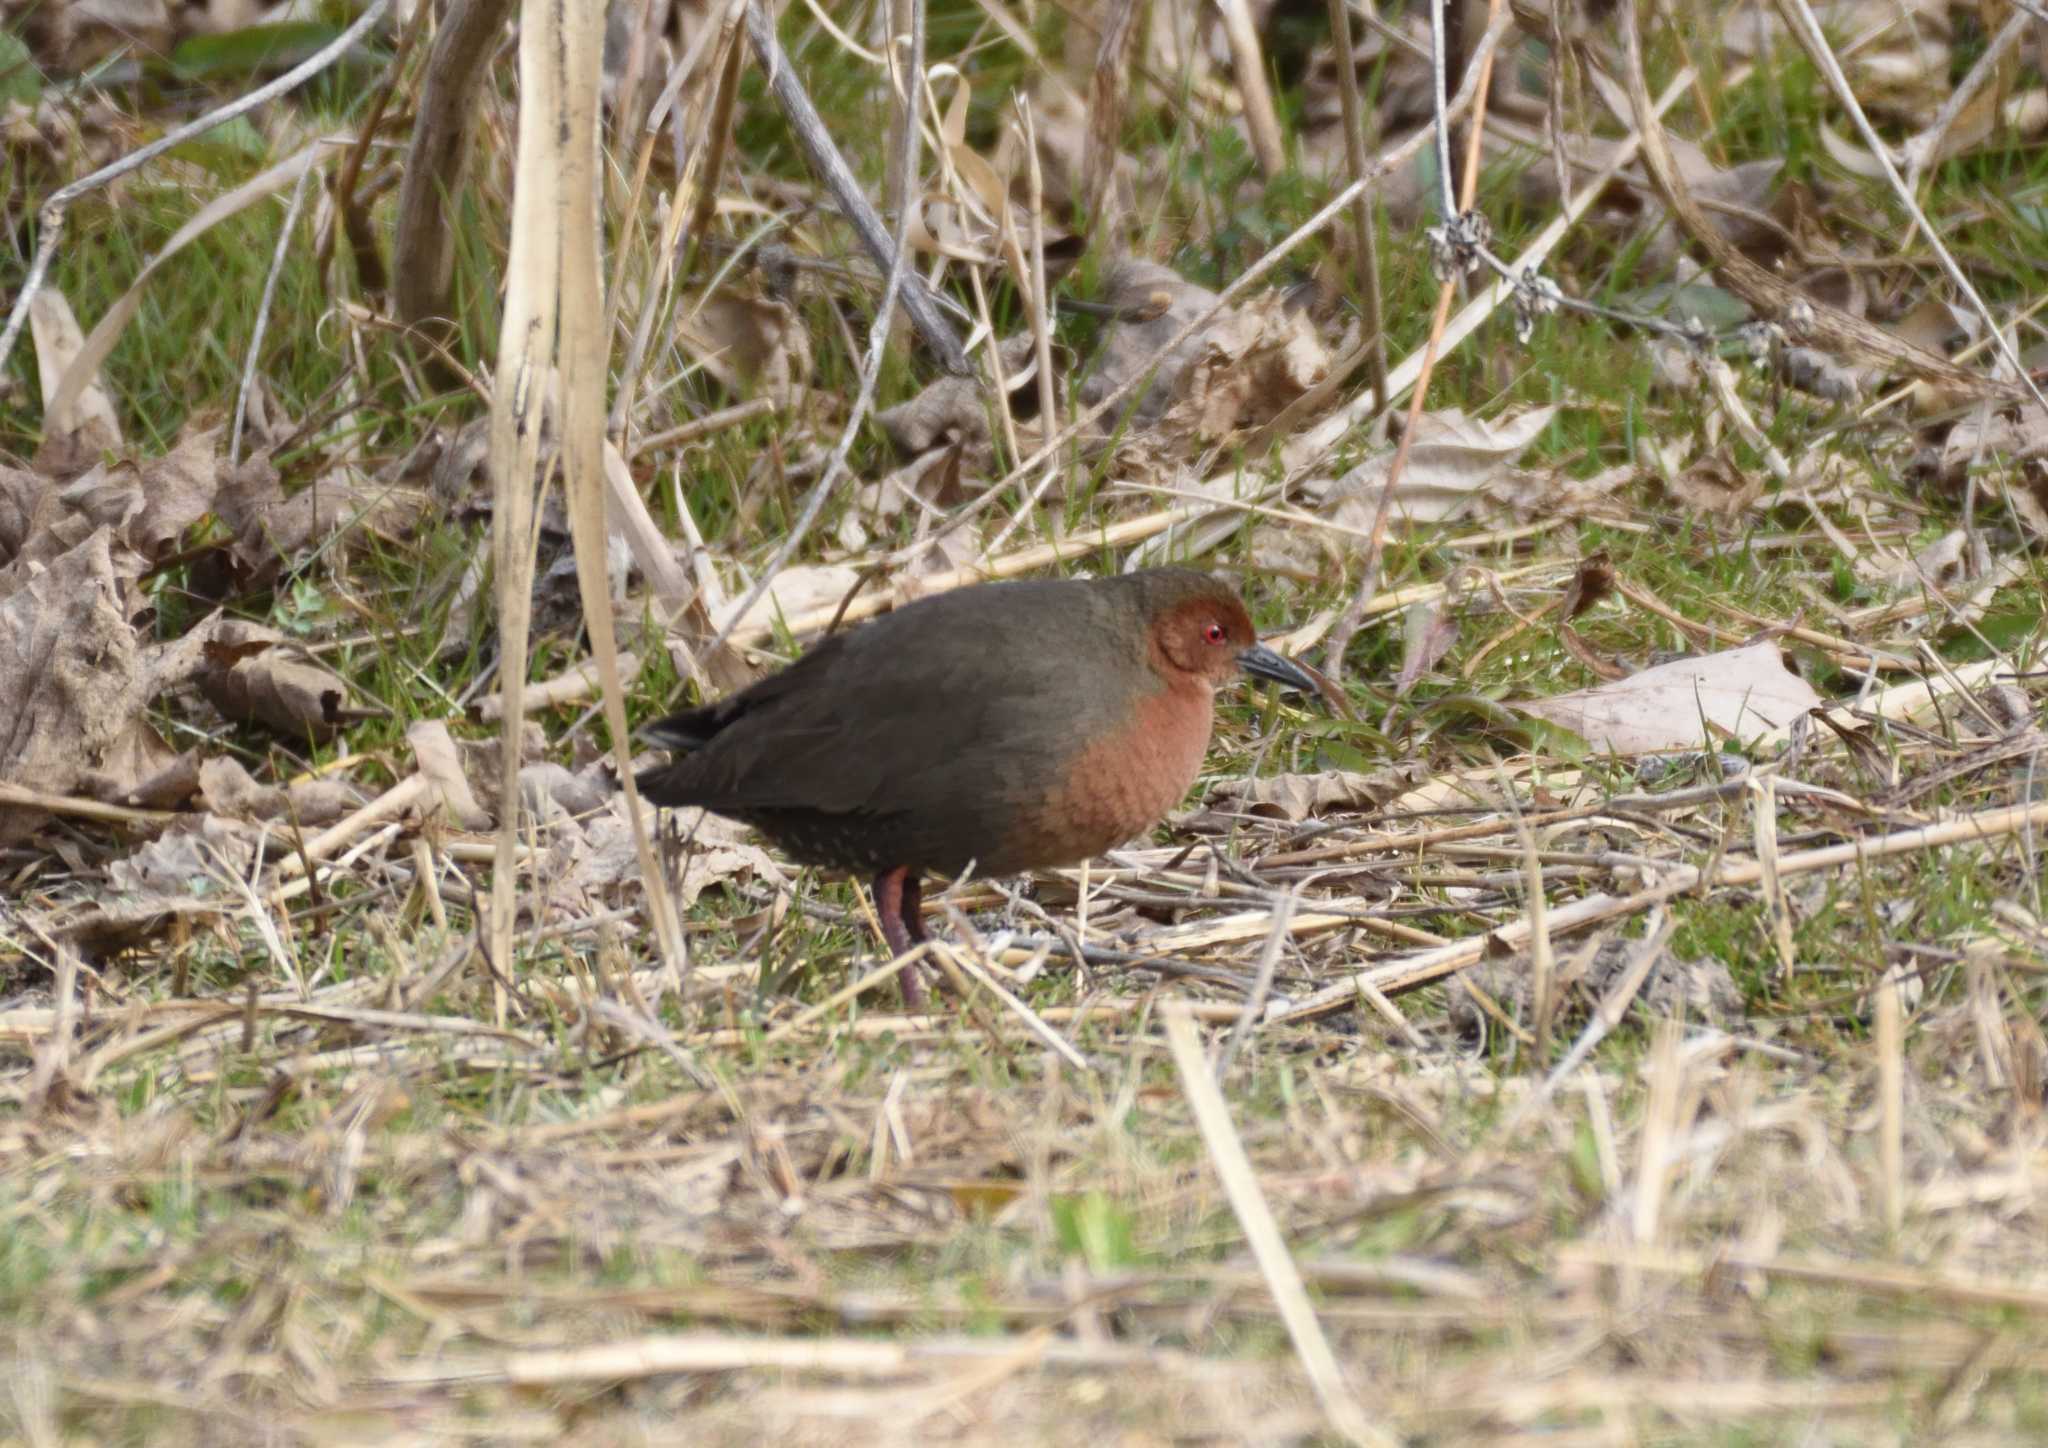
[[683, 733], [691, 729]]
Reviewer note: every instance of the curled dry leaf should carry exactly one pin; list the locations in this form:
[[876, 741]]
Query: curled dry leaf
[[593, 863], [440, 760], [1295, 797], [954, 410], [229, 789], [316, 802], [145, 504], [1593, 581], [1942, 565], [188, 864], [143, 772], [1428, 630], [1699, 989], [551, 791], [89, 428], [1162, 303], [2008, 449], [1254, 360], [1455, 464], [744, 340], [71, 670], [795, 591], [1542, 494], [1687, 704], [271, 531], [254, 677], [1713, 484], [1236, 372]]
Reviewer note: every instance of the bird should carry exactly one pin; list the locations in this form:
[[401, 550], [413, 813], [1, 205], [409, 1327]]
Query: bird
[[1001, 727]]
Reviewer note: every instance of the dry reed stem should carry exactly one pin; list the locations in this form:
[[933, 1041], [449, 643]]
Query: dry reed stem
[[1262, 1233]]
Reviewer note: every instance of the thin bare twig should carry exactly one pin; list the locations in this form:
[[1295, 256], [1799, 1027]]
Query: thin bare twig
[[900, 276], [885, 250]]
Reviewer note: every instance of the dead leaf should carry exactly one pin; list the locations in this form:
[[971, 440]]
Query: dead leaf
[[744, 340], [89, 427], [272, 531], [1295, 797], [150, 503], [552, 792], [146, 504], [254, 677], [1942, 566], [1255, 359], [1168, 303], [190, 862], [1988, 437], [229, 789], [591, 863], [1688, 704], [143, 772], [1236, 372], [1712, 483], [435, 751], [313, 803], [71, 670], [1593, 581], [1429, 629], [953, 410], [1701, 989], [1452, 462], [795, 591]]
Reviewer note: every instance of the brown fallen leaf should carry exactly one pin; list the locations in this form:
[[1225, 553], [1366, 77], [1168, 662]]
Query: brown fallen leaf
[[1295, 797], [750, 340], [1688, 704], [1428, 630], [793, 592], [1714, 484], [1452, 462], [143, 772], [592, 861], [147, 504], [271, 530], [254, 677], [190, 861], [551, 791], [1694, 989], [230, 790], [1236, 372], [440, 760], [71, 670], [954, 410], [89, 427]]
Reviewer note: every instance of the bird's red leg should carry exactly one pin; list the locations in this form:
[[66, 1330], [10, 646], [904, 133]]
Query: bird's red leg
[[899, 904]]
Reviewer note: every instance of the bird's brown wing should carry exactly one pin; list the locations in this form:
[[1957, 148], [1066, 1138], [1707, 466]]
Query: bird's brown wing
[[910, 714]]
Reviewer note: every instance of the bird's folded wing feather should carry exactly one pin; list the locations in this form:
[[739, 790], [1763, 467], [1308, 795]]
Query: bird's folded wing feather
[[890, 719]]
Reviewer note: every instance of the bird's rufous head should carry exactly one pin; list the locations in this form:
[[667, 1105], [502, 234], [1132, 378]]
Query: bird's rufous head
[[1201, 634]]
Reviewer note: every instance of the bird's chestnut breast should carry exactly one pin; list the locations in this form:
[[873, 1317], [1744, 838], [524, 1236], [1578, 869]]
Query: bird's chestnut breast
[[1121, 783]]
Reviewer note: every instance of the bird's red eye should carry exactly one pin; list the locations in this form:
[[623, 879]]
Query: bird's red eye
[[1214, 633]]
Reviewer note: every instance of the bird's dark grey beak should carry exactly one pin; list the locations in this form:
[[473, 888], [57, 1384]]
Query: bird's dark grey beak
[[1262, 663]]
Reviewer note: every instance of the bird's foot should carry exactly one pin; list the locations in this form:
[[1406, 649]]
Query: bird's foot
[[910, 980]]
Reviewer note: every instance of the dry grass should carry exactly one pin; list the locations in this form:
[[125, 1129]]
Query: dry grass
[[1507, 1093], [320, 1214]]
